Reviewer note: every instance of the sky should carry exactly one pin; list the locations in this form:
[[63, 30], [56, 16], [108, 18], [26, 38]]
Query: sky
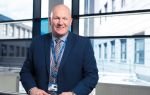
[[21, 9], [16, 9]]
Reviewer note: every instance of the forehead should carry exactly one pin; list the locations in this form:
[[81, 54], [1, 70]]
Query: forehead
[[61, 11]]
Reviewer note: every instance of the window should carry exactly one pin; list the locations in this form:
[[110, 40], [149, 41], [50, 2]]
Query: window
[[112, 50], [139, 51], [17, 51], [44, 8], [88, 22], [105, 50], [15, 9], [113, 5], [3, 50], [44, 26], [87, 6], [100, 51], [97, 21], [22, 51], [11, 52], [123, 50]]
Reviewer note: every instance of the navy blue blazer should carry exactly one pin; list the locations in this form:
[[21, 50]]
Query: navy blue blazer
[[77, 72]]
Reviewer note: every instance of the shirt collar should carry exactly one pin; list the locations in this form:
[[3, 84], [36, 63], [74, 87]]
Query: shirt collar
[[63, 38]]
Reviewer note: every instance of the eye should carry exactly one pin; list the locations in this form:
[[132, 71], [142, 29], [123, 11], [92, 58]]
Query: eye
[[56, 18], [64, 18]]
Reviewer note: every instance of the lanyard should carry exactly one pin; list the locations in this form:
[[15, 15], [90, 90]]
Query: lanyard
[[59, 55], [54, 73]]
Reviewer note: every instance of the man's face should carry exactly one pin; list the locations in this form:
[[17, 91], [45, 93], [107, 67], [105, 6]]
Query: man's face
[[60, 21]]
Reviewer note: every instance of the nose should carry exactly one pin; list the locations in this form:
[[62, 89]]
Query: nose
[[60, 22]]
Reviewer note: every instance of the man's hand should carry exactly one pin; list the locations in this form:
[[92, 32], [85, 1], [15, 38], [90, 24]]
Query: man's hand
[[36, 91], [66, 93]]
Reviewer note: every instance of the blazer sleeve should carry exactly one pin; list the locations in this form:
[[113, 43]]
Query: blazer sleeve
[[27, 71], [88, 83]]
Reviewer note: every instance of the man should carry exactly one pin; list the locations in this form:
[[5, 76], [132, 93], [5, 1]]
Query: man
[[73, 72]]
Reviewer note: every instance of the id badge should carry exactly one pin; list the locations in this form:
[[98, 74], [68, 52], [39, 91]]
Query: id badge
[[52, 87]]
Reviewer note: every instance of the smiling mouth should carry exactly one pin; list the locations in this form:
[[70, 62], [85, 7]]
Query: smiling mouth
[[59, 27]]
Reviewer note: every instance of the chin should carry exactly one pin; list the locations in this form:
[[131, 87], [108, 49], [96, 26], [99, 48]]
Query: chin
[[60, 34]]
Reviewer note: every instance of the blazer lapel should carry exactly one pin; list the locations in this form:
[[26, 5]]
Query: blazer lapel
[[68, 47], [47, 42]]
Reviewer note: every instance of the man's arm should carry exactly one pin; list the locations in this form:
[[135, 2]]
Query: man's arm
[[90, 80], [27, 71]]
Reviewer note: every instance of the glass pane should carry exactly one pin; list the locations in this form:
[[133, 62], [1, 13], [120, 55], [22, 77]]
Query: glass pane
[[139, 51], [118, 71], [104, 6], [13, 53], [115, 25], [52, 3], [68, 3], [16, 30], [44, 8], [12, 56], [44, 26], [16, 9]]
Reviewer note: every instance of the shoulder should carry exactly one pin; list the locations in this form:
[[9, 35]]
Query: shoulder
[[41, 37], [40, 40], [79, 38]]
